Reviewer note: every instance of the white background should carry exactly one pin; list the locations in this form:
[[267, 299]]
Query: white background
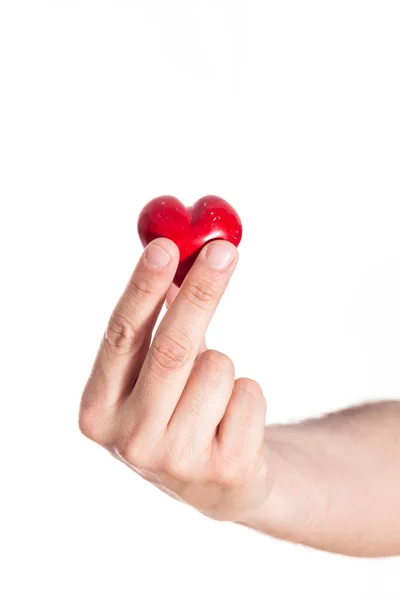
[[290, 111]]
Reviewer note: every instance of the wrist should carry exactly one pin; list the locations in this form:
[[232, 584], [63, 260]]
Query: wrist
[[287, 509]]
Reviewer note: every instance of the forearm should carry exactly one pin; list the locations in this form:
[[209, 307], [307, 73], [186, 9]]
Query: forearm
[[336, 482]]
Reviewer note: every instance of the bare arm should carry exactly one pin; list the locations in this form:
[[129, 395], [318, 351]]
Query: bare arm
[[336, 482]]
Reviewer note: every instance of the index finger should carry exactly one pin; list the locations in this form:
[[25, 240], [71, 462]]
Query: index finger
[[128, 334], [180, 336]]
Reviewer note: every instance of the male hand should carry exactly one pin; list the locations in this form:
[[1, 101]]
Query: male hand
[[169, 408]]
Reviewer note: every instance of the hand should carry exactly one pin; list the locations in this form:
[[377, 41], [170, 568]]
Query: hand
[[171, 409]]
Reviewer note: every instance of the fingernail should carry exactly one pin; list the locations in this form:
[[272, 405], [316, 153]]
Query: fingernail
[[157, 257], [218, 256]]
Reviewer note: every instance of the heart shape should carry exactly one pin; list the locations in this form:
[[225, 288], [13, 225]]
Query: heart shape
[[190, 228]]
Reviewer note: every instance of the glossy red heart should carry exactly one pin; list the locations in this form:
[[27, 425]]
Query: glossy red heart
[[190, 228]]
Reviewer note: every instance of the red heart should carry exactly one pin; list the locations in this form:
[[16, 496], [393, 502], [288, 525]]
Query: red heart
[[190, 228]]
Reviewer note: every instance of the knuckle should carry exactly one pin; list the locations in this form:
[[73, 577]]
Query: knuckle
[[252, 403], [135, 456], [199, 293], [229, 473], [90, 424], [249, 387], [134, 452], [217, 360], [179, 469], [170, 352], [140, 286], [121, 336], [85, 424]]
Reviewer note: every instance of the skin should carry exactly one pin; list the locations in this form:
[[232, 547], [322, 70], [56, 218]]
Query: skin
[[173, 412]]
